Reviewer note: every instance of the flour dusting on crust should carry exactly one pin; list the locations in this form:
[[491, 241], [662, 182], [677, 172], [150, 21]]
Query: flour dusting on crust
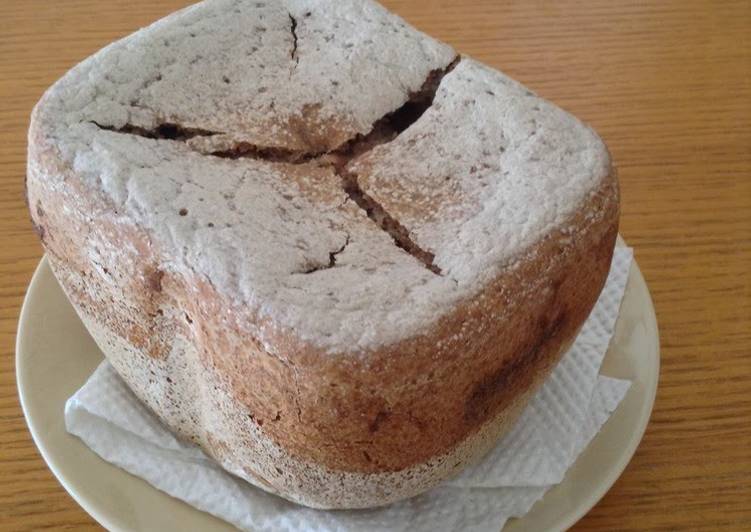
[[485, 173]]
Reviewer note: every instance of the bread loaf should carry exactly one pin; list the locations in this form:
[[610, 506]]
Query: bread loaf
[[326, 248]]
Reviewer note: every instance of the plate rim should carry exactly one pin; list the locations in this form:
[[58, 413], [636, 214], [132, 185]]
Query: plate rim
[[104, 518], [40, 444]]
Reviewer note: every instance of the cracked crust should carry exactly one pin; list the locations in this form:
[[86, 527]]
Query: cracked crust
[[343, 295]]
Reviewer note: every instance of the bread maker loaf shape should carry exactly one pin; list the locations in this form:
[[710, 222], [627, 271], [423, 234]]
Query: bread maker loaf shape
[[329, 250]]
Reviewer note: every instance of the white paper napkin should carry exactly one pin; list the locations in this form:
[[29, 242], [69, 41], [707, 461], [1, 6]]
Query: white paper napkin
[[559, 422]]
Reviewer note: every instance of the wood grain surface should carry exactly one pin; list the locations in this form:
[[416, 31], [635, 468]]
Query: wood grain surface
[[668, 86]]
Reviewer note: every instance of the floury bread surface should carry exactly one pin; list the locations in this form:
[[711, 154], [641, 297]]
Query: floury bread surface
[[317, 242]]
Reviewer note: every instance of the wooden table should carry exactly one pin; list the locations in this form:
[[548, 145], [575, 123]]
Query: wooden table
[[666, 83]]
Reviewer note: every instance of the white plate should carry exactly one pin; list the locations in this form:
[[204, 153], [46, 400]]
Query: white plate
[[55, 355]]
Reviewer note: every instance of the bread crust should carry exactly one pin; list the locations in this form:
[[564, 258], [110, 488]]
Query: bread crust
[[345, 432], [326, 429]]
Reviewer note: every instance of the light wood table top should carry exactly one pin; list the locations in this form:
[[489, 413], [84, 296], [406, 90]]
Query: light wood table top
[[668, 86]]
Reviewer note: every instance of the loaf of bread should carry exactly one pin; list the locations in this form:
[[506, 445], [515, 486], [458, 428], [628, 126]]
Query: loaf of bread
[[326, 248]]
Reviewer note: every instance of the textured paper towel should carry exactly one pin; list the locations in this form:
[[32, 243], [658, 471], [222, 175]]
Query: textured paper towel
[[559, 422]]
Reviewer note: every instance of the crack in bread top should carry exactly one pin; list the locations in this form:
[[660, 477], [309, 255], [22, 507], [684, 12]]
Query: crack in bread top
[[226, 130]]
